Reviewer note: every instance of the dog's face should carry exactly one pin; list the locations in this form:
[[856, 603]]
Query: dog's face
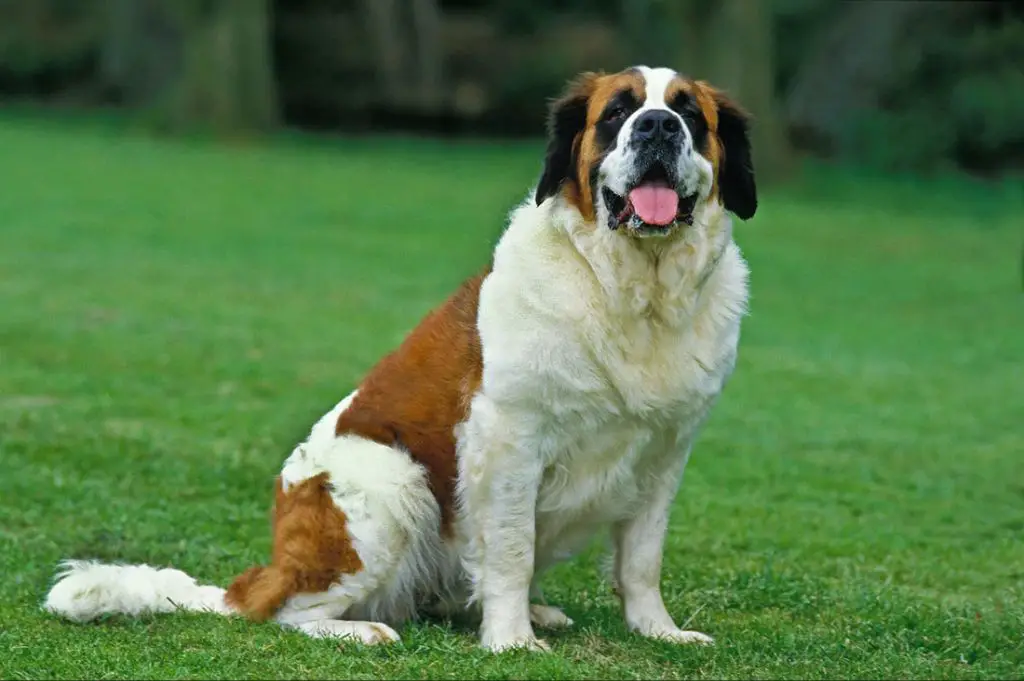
[[643, 150]]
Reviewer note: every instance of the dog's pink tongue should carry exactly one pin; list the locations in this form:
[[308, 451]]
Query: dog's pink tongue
[[655, 205]]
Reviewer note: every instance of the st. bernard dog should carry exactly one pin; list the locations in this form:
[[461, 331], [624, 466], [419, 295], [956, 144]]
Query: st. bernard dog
[[555, 395]]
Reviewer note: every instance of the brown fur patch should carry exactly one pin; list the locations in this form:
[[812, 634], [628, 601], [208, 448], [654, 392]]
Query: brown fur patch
[[312, 549], [415, 396], [712, 101], [707, 100], [598, 88]]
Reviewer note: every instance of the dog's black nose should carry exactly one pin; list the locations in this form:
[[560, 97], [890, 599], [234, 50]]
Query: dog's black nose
[[657, 124]]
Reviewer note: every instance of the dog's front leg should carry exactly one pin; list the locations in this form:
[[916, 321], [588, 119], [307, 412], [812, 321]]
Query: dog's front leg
[[639, 542], [508, 556], [500, 484]]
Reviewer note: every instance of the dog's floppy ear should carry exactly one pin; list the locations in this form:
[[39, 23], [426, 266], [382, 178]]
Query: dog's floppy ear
[[567, 118], [736, 173]]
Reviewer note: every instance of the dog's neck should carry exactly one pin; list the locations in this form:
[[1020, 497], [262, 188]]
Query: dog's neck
[[662, 279]]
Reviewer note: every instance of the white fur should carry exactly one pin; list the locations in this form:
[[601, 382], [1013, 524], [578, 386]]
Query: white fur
[[602, 355], [85, 590]]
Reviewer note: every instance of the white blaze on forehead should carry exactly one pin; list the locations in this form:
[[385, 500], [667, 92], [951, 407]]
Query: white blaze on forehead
[[656, 82]]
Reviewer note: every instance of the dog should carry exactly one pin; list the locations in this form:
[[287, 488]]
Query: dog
[[555, 395]]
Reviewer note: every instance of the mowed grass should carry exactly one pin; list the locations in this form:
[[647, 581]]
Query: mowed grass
[[175, 315]]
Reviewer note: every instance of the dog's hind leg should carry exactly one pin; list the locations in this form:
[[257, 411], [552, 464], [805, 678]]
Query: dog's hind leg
[[548, 617], [356, 541]]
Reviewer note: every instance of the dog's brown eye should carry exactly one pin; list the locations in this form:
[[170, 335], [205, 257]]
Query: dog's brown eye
[[616, 113]]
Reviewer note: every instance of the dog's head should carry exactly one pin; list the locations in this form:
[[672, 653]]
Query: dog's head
[[645, 149]]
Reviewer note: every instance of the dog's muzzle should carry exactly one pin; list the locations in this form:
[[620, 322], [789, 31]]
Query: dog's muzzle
[[652, 203]]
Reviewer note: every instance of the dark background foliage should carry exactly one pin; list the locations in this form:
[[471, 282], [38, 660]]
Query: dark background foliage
[[909, 85]]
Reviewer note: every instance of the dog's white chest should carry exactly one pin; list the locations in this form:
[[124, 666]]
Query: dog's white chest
[[600, 368], [654, 370], [594, 480], [604, 445]]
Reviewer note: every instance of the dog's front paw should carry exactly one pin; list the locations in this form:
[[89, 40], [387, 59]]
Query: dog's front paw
[[682, 637], [500, 644], [549, 617]]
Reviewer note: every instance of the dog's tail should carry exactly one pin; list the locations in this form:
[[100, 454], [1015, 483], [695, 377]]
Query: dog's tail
[[85, 590]]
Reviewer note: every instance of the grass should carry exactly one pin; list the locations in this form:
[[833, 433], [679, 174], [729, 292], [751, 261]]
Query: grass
[[174, 315]]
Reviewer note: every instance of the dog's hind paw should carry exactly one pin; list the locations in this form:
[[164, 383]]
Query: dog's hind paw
[[549, 617]]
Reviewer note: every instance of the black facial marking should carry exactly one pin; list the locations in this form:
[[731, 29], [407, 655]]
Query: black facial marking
[[616, 204], [687, 107], [613, 116], [736, 176], [568, 117]]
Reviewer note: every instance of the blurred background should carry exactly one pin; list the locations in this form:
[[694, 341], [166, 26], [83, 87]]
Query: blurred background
[[909, 85]]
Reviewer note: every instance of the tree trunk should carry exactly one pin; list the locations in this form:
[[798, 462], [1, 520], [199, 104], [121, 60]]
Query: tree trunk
[[429, 53], [636, 19], [688, 20], [141, 52], [740, 50], [192, 63], [408, 53], [227, 81], [389, 45]]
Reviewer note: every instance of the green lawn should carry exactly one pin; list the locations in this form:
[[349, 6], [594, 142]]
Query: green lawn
[[174, 315]]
